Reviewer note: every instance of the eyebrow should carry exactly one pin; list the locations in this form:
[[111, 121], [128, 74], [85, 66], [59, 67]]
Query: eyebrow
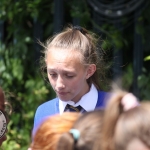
[[64, 71]]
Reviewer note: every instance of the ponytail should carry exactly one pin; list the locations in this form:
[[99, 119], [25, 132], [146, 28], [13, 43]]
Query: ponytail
[[66, 142], [120, 101], [111, 115]]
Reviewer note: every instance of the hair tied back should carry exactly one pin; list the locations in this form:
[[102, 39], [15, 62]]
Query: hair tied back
[[79, 29], [75, 133]]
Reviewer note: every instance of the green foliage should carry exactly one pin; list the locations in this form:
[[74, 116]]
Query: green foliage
[[144, 86], [147, 58], [116, 39], [26, 91], [127, 78], [80, 10], [20, 76]]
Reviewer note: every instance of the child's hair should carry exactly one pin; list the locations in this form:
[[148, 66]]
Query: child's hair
[[85, 133], [86, 44], [121, 127], [135, 123], [50, 130]]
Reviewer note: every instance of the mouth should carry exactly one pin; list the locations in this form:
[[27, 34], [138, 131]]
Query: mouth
[[62, 93]]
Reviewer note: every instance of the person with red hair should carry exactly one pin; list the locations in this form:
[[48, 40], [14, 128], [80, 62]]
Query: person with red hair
[[48, 133]]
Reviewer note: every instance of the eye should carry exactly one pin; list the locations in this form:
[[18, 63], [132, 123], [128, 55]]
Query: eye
[[69, 76], [53, 75]]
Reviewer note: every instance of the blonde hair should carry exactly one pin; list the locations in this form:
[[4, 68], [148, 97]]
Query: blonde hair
[[120, 127], [78, 39], [134, 123], [111, 115], [51, 129]]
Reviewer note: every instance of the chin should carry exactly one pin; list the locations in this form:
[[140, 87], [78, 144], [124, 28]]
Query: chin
[[65, 100]]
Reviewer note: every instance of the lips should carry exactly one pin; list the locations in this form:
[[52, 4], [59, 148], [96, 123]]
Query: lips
[[62, 93]]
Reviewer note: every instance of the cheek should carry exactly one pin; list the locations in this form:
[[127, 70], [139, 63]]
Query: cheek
[[52, 82], [77, 83]]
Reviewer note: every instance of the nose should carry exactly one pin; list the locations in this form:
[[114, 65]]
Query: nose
[[60, 83]]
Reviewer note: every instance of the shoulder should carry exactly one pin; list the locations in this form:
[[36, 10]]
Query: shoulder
[[48, 103], [46, 109], [103, 97], [104, 94], [48, 106]]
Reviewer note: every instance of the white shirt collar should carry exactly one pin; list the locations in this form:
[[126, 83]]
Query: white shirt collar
[[87, 101]]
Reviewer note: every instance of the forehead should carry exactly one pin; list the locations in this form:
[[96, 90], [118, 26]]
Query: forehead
[[65, 57]]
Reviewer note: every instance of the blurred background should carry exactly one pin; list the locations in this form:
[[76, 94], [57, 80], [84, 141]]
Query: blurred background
[[124, 28]]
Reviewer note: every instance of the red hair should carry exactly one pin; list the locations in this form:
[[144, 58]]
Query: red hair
[[51, 129]]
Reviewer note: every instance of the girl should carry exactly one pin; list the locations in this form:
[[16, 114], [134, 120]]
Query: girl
[[74, 70], [126, 128], [51, 129]]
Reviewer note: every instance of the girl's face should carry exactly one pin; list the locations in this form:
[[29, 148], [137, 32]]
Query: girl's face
[[67, 75]]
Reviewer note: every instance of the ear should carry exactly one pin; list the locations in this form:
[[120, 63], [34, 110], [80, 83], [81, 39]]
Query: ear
[[90, 70]]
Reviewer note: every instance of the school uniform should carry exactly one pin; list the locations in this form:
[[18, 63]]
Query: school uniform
[[90, 101]]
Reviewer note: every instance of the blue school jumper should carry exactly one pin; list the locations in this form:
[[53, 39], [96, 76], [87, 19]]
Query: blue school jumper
[[51, 107]]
